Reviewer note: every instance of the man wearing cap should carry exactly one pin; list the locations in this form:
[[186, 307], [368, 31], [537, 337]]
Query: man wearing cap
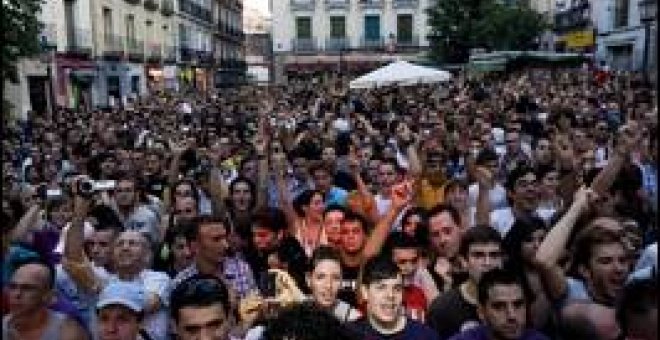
[[120, 310]]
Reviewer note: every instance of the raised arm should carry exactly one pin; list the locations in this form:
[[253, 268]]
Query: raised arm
[[400, 198], [485, 180], [25, 224], [286, 203], [262, 174], [555, 242], [628, 139]]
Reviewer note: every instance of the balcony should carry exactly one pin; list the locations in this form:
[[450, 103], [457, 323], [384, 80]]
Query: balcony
[[133, 2], [232, 64], [304, 45], [195, 10], [337, 4], [205, 58], [135, 50], [151, 5], [187, 54], [113, 47], [405, 4], [372, 43], [170, 55], [372, 4], [154, 53], [407, 42], [336, 44], [167, 8], [79, 42], [302, 5]]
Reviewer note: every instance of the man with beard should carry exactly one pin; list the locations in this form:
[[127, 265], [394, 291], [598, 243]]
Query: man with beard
[[503, 309], [481, 250], [209, 240], [272, 247], [133, 211]]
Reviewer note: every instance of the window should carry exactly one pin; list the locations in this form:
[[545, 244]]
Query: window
[[304, 28], [130, 27], [107, 24], [337, 27], [372, 27], [621, 9], [404, 28]]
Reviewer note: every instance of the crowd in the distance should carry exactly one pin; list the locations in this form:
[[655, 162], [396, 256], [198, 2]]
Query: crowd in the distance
[[514, 206]]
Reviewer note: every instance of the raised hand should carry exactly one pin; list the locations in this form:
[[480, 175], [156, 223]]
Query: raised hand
[[484, 177], [401, 194]]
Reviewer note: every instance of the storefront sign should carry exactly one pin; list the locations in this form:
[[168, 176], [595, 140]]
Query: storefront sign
[[578, 39]]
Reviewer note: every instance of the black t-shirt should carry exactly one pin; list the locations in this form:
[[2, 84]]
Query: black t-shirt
[[450, 313], [413, 330], [155, 186], [349, 284]]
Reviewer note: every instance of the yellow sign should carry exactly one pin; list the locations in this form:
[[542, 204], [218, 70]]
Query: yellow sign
[[578, 39]]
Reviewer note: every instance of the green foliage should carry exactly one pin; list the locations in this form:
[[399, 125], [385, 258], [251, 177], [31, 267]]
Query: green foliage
[[460, 25], [21, 28]]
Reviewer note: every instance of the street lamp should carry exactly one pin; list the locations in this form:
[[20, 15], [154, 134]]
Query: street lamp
[[47, 58], [647, 13]]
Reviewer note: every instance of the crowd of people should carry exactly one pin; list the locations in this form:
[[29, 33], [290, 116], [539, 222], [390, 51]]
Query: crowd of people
[[514, 206]]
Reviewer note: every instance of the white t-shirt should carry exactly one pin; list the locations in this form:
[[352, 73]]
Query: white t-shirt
[[497, 196], [502, 220]]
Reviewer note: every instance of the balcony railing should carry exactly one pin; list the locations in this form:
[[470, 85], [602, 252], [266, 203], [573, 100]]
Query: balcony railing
[[304, 45], [195, 10], [167, 8], [376, 4], [337, 4], [336, 44], [372, 42], [232, 64], [79, 42], [187, 54], [302, 5], [154, 53], [405, 3], [205, 57], [113, 47], [410, 41], [170, 54], [135, 50], [151, 5]]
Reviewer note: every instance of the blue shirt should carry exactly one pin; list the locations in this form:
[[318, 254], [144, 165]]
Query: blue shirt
[[336, 196]]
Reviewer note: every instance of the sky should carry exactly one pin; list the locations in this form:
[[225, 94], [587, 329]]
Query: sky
[[261, 5]]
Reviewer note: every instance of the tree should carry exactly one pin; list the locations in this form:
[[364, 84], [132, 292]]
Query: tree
[[460, 25], [21, 28]]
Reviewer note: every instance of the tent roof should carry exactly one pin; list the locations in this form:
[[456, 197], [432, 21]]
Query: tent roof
[[400, 73]]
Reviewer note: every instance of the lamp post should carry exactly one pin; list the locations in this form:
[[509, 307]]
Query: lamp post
[[647, 13], [47, 58]]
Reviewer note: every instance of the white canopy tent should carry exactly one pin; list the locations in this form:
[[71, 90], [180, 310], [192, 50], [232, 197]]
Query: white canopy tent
[[400, 73]]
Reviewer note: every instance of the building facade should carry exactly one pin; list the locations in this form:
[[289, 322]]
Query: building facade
[[98, 53], [574, 29], [621, 35], [345, 36]]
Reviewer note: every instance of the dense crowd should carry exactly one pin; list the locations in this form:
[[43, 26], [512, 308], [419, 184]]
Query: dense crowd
[[513, 206]]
